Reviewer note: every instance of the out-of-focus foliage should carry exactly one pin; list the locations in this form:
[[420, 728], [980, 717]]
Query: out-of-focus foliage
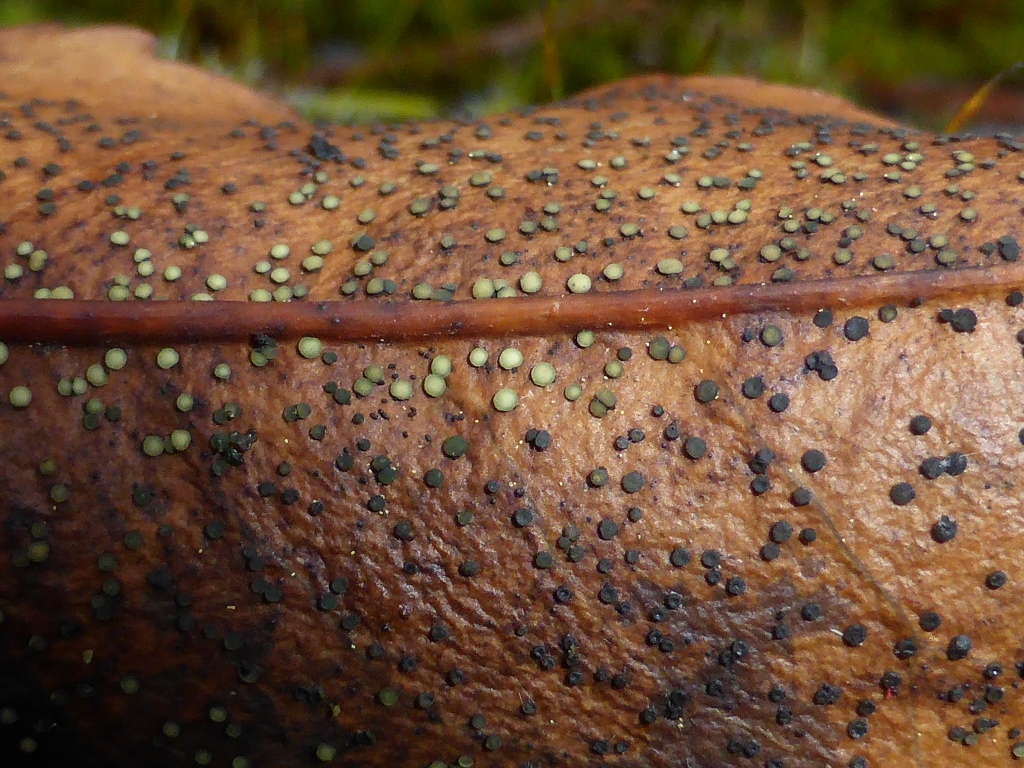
[[415, 58]]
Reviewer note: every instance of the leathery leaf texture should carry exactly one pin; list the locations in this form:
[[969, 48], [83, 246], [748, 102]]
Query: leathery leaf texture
[[675, 424]]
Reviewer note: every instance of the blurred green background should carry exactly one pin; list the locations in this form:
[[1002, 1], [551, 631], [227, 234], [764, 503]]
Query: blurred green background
[[360, 59]]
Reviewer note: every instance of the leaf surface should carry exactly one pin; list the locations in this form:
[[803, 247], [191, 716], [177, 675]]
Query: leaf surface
[[240, 533]]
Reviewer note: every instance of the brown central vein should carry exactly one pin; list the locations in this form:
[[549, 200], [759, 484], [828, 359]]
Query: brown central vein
[[85, 322]]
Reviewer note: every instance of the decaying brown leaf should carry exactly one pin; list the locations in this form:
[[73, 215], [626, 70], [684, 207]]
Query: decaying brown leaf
[[748, 497]]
